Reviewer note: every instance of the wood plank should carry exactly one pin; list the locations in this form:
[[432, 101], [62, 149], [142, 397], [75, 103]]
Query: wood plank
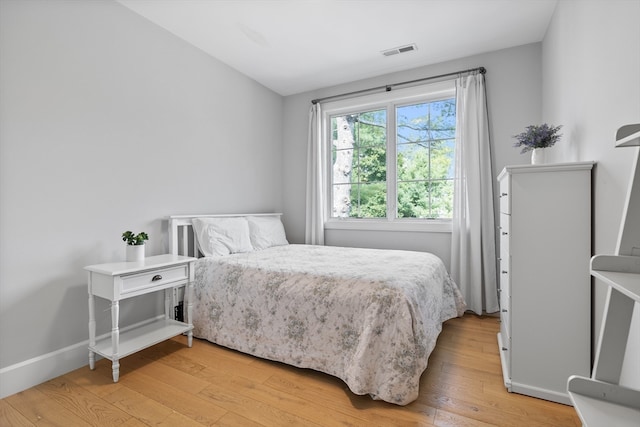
[[168, 374], [148, 410], [133, 422], [12, 417], [85, 405], [451, 385], [227, 360], [189, 405], [99, 381], [37, 408], [448, 419], [253, 409], [227, 353], [231, 419]]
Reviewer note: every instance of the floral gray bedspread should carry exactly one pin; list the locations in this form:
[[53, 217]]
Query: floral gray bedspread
[[367, 316]]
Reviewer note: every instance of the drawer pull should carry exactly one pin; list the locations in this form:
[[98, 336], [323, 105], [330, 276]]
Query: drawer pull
[[504, 272], [504, 233], [504, 349], [504, 310], [503, 194], [156, 278]]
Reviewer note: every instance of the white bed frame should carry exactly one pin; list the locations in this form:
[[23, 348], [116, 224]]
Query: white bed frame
[[182, 240]]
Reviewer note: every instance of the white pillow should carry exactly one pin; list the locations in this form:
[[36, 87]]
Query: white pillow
[[222, 236], [266, 231]]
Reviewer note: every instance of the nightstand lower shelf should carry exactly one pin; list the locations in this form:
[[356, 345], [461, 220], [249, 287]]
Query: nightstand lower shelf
[[141, 337]]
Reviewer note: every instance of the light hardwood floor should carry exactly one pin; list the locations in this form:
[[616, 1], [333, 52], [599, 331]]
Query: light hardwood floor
[[173, 385]]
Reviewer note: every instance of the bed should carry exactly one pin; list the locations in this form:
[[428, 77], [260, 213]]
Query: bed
[[369, 317]]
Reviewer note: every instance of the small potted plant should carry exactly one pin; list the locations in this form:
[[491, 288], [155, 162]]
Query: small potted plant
[[536, 139], [135, 245]]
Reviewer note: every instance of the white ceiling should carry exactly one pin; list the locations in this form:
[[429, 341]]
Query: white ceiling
[[293, 46]]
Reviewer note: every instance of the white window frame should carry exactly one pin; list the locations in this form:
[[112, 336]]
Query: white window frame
[[389, 101]]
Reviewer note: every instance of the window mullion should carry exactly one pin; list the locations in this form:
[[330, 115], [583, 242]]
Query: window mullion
[[392, 181]]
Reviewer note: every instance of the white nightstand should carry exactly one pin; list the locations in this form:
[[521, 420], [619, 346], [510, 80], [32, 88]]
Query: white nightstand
[[121, 280]]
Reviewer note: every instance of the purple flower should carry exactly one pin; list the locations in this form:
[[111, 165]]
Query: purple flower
[[542, 136]]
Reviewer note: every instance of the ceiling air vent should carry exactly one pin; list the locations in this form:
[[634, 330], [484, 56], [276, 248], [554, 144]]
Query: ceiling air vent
[[401, 49]]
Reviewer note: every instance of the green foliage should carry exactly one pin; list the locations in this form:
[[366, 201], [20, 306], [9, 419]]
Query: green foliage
[[134, 239], [369, 200]]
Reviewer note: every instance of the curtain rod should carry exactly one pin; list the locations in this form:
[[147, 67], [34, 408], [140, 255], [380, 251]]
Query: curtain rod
[[388, 88]]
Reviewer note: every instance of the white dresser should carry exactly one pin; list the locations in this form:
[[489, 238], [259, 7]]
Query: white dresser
[[545, 285]]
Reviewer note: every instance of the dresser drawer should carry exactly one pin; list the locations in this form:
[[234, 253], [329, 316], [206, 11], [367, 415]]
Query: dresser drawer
[[505, 198], [505, 235], [505, 278], [505, 310], [159, 278], [505, 350], [506, 333]]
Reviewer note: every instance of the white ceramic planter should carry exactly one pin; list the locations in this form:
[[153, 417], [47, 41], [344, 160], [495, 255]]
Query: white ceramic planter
[[538, 156], [135, 253]]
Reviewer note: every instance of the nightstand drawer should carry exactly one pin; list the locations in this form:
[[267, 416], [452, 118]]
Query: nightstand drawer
[[159, 277]]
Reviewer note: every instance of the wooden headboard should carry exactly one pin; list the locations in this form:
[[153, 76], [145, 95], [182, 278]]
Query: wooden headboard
[[182, 240]]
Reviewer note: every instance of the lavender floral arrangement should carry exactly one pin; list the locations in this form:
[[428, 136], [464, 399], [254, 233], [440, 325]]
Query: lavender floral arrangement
[[542, 136]]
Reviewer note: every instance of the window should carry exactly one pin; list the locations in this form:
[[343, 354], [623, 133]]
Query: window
[[393, 160]]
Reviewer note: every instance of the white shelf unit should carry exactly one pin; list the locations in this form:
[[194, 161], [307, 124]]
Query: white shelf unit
[[628, 136], [600, 400]]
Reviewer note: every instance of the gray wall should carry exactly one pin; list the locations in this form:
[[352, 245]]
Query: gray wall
[[110, 123], [514, 94], [591, 75]]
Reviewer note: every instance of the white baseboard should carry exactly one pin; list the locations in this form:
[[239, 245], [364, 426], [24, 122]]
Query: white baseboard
[[542, 393], [29, 373]]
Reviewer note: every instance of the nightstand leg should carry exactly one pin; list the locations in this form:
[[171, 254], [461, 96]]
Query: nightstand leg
[[92, 328], [115, 366], [189, 297], [115, 339], [167, 304]]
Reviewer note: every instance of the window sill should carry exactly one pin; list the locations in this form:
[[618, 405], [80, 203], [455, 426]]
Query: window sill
[[421, 226]]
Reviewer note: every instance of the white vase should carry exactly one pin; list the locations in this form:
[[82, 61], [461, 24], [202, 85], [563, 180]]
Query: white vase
[[135, 253], [538, 156]]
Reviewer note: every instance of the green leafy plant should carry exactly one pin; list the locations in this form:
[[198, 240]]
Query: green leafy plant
[[134, 239]]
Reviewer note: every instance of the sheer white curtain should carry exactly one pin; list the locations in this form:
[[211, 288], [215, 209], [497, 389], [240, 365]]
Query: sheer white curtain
[[473, 256], [316, 163]]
